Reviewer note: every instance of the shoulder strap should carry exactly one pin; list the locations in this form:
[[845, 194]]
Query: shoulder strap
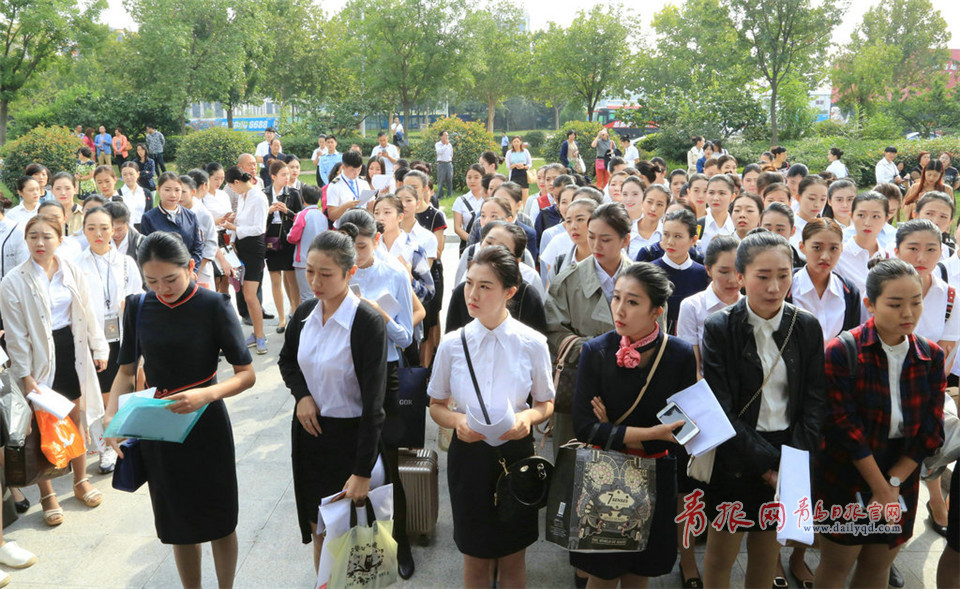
[[923, 345], [136, 328], [473, 376], [943, 271], [3, 247], [852, 353], [951, 297], [701, 223], [653, 369], [793, 321]]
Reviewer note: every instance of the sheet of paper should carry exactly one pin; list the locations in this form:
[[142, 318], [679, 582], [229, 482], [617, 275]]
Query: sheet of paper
[[366, 196], [150, 419], [700, 404], [380, 181], [389, 304], [3, 357], [146, 394], [51, 401], [502, 423], [793, 489]]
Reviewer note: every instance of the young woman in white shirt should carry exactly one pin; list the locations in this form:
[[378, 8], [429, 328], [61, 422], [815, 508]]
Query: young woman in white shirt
[[836, 167], [745, 209], [334, 361], [137, 198], [576, 223], [648, 229], [869, 212], [65, 192], [13, 248], [473, 464], [812, 196], [939, 208], [248, 226], [697, 194], [840, 197], [467, 207], [218, 203], [398, 247], [717, 221], [29, 191], [53, 338]]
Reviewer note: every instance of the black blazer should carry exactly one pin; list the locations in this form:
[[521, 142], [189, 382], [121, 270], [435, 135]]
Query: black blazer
[[734, 372], [134, 238], [368, 344], [526, 307]]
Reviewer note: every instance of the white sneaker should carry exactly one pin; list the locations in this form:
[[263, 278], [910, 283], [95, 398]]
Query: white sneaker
[[15, 557], [108, 460], [4, 578]]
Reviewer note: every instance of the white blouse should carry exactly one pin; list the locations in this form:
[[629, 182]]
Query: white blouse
[[59, 296], [852, 264], [251, 218], [379, 278], [829, 309], [501, 383], [20, 215], [712, 229], [110, 277], [426, 239], [933, 323], [218, 204], [135, 200], [694, 311], [896, 356], [773, 399], [326, 360], [638, 242]]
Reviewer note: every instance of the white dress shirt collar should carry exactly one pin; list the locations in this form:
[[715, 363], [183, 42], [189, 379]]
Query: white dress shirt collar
[[343, 315], [686, 264], [758, 322]]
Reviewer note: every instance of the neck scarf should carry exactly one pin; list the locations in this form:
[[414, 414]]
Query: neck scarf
[[628, 356]]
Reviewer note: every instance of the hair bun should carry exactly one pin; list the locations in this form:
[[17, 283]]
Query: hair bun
[[350, 230]]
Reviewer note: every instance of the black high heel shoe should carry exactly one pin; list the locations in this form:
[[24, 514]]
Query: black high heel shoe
[[405, 564], [22, 506], [942, 530]]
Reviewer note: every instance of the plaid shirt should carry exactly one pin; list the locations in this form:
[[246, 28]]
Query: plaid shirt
[[858, 424]]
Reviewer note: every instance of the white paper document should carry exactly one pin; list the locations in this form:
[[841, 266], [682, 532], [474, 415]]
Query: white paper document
[[51, 401], [502, 421], [3, 357], [365, 197], [145, 394], [380, 181], [700, 404], [793, 490], [389, 304]]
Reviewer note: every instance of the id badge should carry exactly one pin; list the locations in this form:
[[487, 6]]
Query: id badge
[[111, 328]]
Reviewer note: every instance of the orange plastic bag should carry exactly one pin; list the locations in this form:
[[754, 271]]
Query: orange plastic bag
[[60, 440]]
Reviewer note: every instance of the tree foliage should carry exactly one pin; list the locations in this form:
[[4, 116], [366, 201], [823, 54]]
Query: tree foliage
[[54, 147], [469, 140], [212, 145]]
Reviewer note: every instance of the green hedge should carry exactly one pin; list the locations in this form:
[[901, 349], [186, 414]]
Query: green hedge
[[217, 144], [859, 155], [586, 131], [302, 146], [469, 141], [54, 147]]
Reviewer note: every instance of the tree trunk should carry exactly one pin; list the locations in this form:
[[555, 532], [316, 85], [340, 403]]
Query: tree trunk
[[773, 114], [4, 106], [230, 116], [491, 112], [556, 118], [406, 119]]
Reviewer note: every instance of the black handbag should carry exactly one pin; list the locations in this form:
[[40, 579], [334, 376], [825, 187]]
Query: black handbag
[[131, 471], [523, 485], [407, 428], [26, 465]]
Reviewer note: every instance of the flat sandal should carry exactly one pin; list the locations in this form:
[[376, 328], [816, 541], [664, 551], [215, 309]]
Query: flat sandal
[[91, 498], [52, 517]]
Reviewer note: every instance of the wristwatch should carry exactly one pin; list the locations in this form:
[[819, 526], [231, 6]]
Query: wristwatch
[[895, 482]]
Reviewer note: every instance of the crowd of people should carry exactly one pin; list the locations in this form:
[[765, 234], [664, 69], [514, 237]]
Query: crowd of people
[[820, 313]]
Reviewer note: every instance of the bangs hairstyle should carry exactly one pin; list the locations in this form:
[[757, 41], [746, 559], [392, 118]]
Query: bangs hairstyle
[[755, 244], [883, 271], [37, 219], [841, 184], [653, 189], [720, 244], [936, 196], [516, 233], [652, 279], [779, 208], [872, 196], [685, 217], [615, 215], [908, 228], [633, 180], [821, 224], [503, 263], [339, 246]]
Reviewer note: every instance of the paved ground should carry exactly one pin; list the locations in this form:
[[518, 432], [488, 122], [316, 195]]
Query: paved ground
[[115, 545]]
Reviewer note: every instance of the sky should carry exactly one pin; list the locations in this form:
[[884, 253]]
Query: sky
[[562, 12]]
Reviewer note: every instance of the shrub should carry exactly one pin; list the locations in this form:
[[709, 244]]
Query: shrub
[[829, 128], [469, 140], [586, 131], [216, 144], [301, 146], [535, 139], [54, 147]]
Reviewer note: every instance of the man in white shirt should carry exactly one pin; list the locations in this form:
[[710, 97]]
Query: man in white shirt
[[387, 151], [886, 170], [345, 193], [319, 152], [444, 165], [695, 153], [630, 153], [263, 148]]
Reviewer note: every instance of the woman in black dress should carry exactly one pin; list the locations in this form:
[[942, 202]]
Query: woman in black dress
[[613, 370], [334, 361], [180, 329], [285, 203]]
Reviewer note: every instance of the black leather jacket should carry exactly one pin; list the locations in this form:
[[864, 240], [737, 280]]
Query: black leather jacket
[[734, 372]]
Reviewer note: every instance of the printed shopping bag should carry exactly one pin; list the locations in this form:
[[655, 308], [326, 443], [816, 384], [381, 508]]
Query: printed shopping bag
[[366, 556], [60, 440]]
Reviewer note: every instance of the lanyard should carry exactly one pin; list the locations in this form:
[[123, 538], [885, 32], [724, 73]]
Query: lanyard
[[354, 191], [105, 284]]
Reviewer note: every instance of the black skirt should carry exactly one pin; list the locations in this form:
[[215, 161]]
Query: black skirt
[[109, 373], [472, 473], [436, 303], [193, 485], [65, 380], [321, 465], [251, 251], [660, 554], [280, 260], [953, 516], [751, 492], [520, 177]]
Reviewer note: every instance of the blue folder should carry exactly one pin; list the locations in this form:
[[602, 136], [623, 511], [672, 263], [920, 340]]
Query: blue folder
[[150, 419]]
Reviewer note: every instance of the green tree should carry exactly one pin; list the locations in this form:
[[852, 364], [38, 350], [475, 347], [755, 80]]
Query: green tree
[[54, 147], [34, 33], [935, 108], [862, 74], [410, 50], [543, 84], [592, 56], [785, 37], [500, 52]]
